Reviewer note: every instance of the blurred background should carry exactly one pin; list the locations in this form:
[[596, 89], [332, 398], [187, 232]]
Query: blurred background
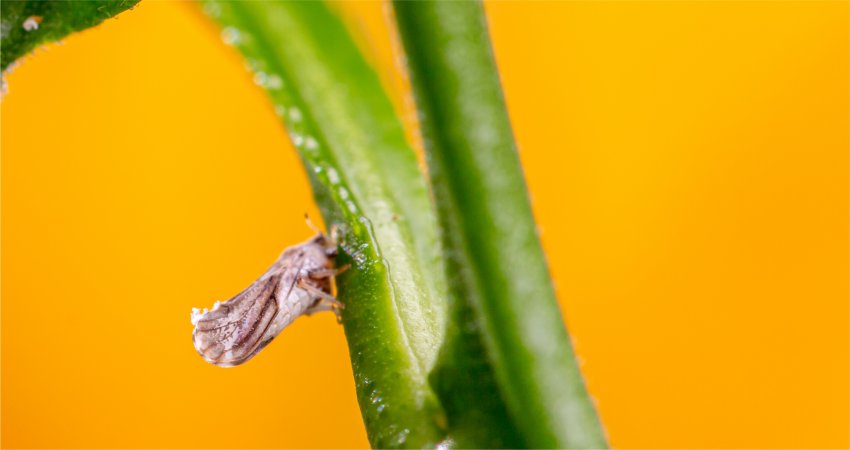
[[688, 167]]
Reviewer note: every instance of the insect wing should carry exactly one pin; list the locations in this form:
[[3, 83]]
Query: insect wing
[[235, 330]]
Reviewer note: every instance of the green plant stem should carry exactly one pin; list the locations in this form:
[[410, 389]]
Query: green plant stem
[[366, 181], [499, 282]]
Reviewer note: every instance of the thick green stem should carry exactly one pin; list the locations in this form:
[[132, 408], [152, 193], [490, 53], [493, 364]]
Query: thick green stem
[[366, 180], [503, 302]]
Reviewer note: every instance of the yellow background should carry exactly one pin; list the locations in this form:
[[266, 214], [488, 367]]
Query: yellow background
[[688, 165]]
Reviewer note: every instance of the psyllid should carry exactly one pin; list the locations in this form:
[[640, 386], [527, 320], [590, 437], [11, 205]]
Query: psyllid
[[299, 282]]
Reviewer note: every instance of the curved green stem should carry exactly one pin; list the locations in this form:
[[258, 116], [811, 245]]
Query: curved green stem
[[26, 24], [366, 181]]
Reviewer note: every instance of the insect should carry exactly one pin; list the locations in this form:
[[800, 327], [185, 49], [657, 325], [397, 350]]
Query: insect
[[299, 282]]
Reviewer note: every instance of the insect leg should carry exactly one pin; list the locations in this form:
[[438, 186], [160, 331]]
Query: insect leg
[[316, 291], [327, 273], [311, 224], [327, 302]]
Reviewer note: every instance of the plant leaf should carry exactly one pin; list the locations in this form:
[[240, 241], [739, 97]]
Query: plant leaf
[[507, 376], [54, 20], [366, 181]]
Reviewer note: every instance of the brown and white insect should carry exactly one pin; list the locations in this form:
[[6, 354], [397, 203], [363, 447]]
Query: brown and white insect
[[298, 283]]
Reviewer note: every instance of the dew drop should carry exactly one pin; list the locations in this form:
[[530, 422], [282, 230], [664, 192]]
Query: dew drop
[[297, 139], [230, 35], [310, 143], [446, 444], [31, 24], [295, 114], [274, 82], [333, 177], [400, 438], [261, 79]]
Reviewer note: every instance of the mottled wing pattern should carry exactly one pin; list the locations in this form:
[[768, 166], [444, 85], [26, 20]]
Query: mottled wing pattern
[[235, 330]]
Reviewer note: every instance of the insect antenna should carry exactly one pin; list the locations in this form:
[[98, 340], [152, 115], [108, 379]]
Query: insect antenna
[[311, 224]]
